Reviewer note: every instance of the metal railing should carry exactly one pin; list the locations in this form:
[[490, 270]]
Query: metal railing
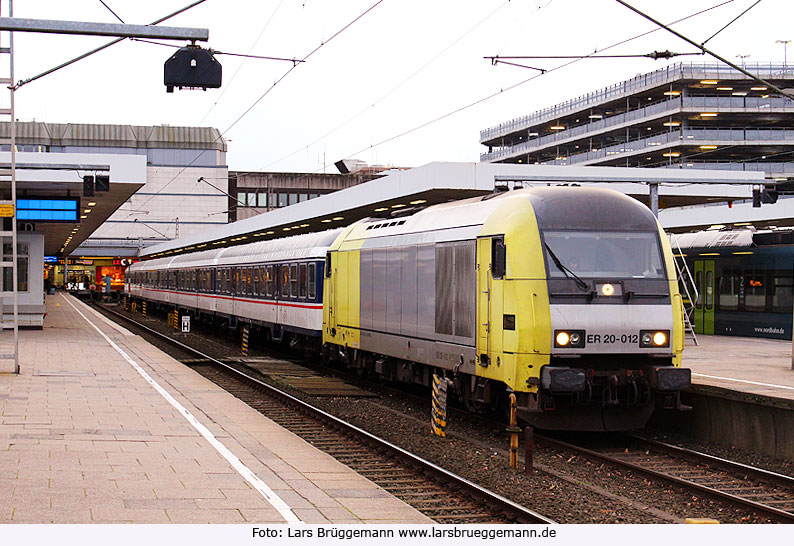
[[667, 75]]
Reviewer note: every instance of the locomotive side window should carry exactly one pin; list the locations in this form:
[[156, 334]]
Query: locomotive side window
[[498, 258], [303, 281], [312, 281], [293, 280], [328, 265], [284, 281]]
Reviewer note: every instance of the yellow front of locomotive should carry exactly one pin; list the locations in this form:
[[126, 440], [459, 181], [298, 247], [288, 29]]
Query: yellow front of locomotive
[[578, 309]]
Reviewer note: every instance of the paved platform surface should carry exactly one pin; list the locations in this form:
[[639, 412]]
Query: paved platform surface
[[753, 365], [86, 437]]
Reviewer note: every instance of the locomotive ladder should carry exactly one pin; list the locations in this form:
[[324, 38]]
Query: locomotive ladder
[[8, 229], [688, 284]]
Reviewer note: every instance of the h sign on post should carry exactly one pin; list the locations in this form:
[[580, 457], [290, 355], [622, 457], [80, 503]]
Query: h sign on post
[[185, 324]]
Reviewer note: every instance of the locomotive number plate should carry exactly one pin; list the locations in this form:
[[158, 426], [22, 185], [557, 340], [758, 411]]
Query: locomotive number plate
[[611, 339]]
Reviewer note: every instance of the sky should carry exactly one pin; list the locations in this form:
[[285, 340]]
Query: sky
[[405, 84]]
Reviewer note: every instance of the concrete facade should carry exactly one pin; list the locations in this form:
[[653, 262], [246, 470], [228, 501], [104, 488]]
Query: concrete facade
[[172, 203], [684, 116], [253, 193]]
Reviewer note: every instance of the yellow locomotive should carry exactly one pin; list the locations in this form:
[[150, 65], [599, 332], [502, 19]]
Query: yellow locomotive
[[566, 296]]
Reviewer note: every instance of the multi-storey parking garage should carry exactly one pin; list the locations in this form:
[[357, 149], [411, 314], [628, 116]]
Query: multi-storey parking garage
[[683, 116]]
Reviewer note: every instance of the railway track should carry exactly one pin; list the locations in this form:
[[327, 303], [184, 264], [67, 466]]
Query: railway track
[[767, 493], [437, 493]]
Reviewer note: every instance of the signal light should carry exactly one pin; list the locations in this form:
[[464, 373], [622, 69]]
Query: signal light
[[192, 67], [88, 186]]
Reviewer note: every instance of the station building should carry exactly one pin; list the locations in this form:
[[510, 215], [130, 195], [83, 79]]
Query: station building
[[684, 116], [184, 192], [253, 193]]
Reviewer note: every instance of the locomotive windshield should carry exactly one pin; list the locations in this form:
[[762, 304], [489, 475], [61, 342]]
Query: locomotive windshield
[[612, 254]]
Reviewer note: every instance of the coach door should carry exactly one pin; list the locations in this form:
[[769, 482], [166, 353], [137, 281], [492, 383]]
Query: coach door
[[704, 303]]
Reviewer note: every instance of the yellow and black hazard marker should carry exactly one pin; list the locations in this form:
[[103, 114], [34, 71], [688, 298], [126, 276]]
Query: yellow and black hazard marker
[[438, 412], [244, 350], [125, 303], [144, 308]]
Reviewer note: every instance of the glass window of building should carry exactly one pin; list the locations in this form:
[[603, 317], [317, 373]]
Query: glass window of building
[[22, 267]]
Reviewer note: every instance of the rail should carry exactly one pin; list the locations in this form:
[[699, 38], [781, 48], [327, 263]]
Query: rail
[[520, 513]]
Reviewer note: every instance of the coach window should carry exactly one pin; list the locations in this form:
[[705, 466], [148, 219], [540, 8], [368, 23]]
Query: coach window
[[284, 281], [754, 293], [312, 281], [728, 293], [709, 289], [293, 280], [303, 281], [698, 283], [257, 281], [269, 280]]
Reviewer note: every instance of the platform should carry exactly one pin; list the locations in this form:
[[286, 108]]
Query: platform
[[751, 365], [102, 427]]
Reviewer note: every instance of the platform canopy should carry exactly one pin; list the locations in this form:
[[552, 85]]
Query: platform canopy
[[57, 178], [434, 183]]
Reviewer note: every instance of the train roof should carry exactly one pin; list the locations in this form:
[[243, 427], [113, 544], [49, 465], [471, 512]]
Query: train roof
[[556, 207], [737, 238], [297, 247]]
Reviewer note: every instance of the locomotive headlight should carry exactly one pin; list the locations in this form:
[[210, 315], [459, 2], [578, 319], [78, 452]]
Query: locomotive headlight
[[607, 289], [654, 338], [569, 339], [563, 339]]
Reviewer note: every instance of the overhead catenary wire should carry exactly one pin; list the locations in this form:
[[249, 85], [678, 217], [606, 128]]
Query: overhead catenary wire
[[111, 11], [101, 48], [240, 66], [707, 51], [522, 82], [729, 24], [217, 52], [393, 89], [266, 93]]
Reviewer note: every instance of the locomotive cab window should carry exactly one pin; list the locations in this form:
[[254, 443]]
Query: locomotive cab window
[[599, 254], [328, 265]]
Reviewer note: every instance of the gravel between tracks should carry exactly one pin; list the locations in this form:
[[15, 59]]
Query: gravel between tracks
[[599, 493]]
